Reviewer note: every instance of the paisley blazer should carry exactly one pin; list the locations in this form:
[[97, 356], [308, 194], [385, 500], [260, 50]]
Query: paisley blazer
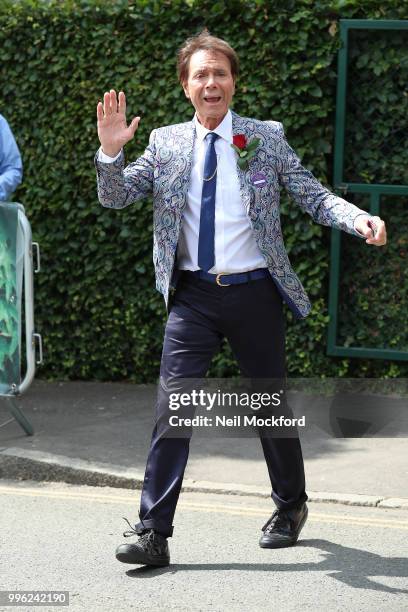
[[164, 170]]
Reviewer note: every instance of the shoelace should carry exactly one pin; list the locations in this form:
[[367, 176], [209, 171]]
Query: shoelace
[[277, 519], [146, 538], [149, 539], [132, 531]]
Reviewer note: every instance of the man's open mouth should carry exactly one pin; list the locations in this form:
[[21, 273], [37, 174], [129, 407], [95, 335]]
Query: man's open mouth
[[212, 99]]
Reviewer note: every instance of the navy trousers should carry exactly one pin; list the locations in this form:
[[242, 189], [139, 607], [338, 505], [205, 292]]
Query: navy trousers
[[250, 316]]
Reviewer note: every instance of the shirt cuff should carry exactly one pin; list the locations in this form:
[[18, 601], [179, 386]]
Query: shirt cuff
[[106, 159]]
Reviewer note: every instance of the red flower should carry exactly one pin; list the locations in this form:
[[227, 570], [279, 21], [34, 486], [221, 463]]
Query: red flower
[[240, 141]]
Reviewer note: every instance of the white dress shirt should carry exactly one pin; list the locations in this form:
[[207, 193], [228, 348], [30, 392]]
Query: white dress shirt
[[235, 246], [234, 243]]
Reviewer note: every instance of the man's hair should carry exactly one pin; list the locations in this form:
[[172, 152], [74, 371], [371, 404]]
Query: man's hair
[[204, 41]]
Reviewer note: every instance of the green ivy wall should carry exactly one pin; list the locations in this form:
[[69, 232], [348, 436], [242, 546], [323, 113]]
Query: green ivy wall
[[95, 301]]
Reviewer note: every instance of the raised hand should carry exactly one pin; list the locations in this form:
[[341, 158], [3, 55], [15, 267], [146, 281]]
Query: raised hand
[[113, 131]]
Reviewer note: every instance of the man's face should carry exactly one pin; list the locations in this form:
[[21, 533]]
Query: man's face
[[210, 86]]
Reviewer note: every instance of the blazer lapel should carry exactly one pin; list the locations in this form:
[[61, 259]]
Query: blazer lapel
[[238, 127], [185, 161]]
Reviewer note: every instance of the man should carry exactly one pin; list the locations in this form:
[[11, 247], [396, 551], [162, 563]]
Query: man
[[11, 167], [219, 255]]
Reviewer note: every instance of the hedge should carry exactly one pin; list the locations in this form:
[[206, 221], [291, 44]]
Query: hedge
[[95, 302]]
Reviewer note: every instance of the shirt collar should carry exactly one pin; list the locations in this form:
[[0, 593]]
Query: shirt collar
[[224, 130]]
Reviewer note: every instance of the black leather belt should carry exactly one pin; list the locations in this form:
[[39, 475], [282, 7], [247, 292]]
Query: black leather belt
[[224, 279]]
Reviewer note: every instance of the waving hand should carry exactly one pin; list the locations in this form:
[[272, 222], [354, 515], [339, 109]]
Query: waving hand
[[113, 131]]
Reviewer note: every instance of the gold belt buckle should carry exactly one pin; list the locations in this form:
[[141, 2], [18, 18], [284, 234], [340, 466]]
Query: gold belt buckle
[[217, 280]]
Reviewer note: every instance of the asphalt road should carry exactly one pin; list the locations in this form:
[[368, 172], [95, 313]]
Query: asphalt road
[[63, 537]]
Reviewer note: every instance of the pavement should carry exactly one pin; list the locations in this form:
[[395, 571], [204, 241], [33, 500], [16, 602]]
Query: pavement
[[62, 537], [98, 434]]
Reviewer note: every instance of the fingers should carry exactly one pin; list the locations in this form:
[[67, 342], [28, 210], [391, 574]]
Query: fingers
[[363, 226], [134, 125], [99, 111], [111, 104], [113, 101], [122, 103], [377, 225], [107, 104], [373, 230]]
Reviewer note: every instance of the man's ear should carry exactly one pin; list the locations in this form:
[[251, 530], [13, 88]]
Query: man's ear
[[185, 88]]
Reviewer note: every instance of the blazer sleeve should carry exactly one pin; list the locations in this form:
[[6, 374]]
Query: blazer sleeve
[[321, 204], [119, 186]]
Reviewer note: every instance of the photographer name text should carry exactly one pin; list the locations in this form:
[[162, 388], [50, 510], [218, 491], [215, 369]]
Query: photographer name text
[[236, 421]]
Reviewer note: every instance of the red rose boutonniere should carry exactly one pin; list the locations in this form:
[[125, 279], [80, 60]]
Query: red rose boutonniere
[[244, 148]]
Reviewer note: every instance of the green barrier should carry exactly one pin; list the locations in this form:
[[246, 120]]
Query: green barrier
[[10, 300], [16, 265]]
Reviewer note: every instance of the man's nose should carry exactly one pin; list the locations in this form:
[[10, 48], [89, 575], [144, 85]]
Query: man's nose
[[211, 82]]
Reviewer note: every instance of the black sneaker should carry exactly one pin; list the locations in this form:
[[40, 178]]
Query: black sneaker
[[150, 549], [283, 528]]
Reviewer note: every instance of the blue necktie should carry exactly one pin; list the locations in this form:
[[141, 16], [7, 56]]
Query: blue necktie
[[207, 216]]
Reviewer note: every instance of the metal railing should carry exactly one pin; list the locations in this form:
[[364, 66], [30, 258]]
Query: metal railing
[[344, 170]]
